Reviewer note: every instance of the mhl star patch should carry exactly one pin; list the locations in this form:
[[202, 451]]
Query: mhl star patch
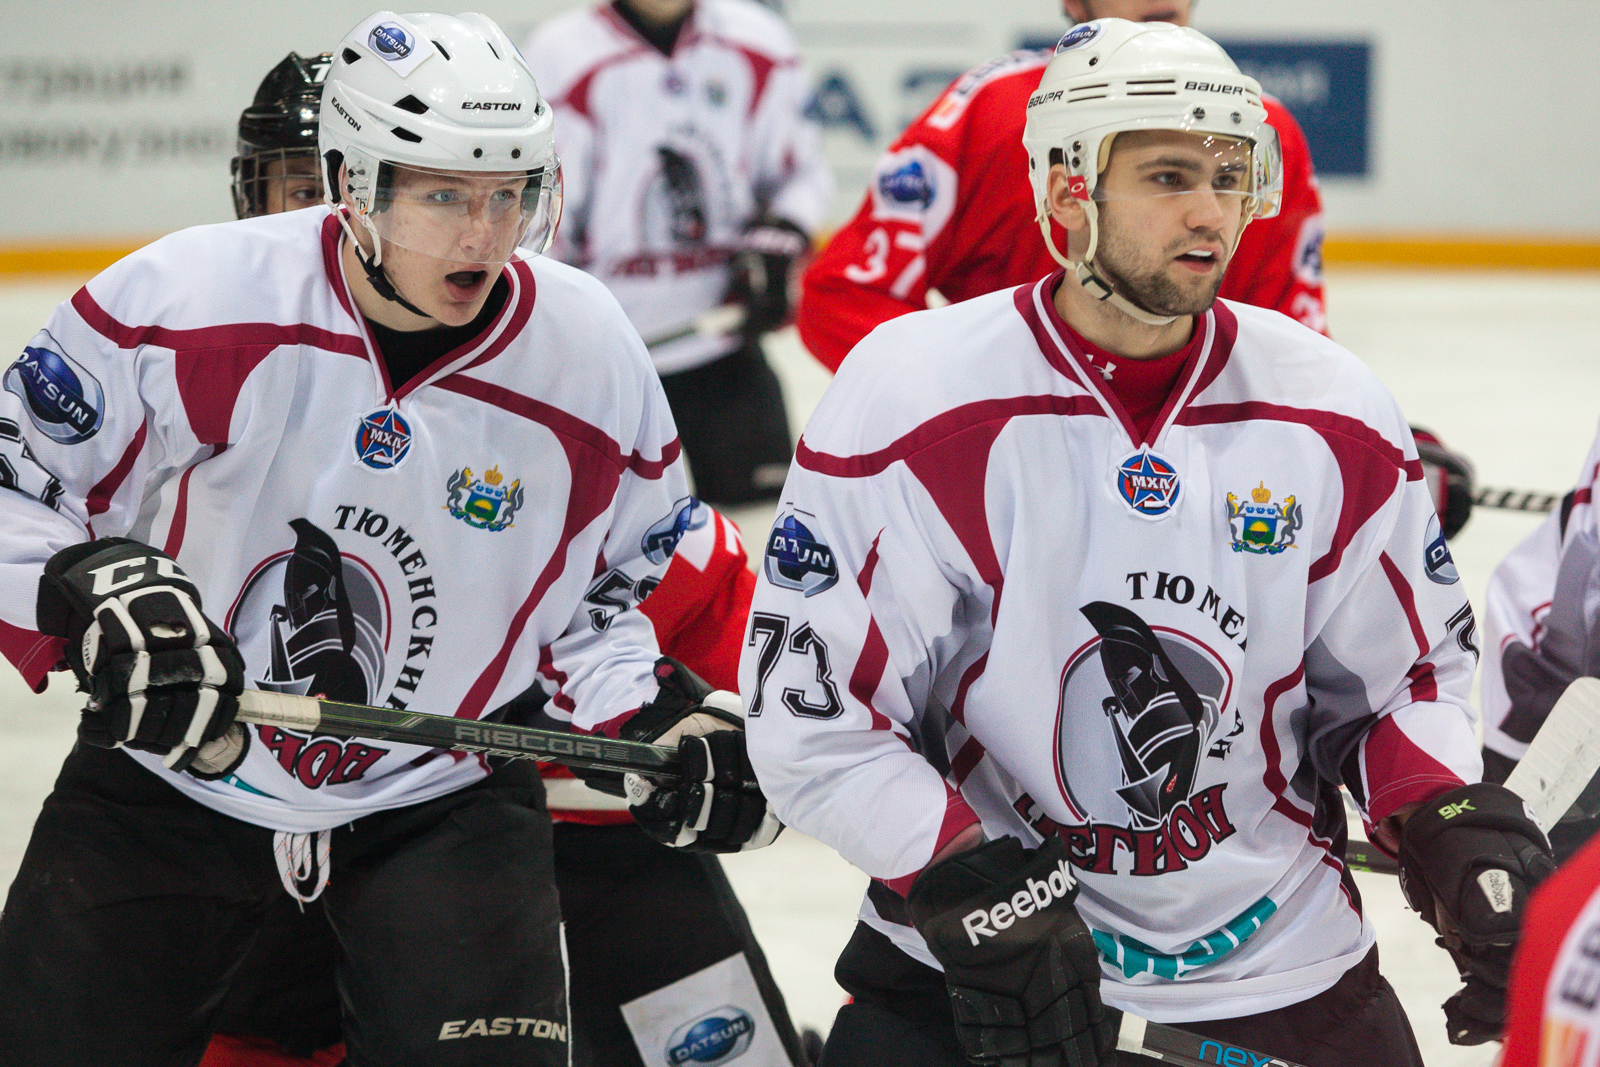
[[1148, 483]]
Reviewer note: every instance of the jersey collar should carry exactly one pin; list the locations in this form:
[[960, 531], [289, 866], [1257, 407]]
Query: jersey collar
[[1062, 350], [488, 344]]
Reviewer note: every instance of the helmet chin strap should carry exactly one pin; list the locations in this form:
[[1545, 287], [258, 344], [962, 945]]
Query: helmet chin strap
[[374, 267], [1084, 272]]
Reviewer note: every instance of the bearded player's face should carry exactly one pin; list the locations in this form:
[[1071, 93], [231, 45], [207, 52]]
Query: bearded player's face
[[1170, 208], [1175, 11]]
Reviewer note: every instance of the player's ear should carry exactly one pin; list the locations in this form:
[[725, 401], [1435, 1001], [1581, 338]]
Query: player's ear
[[1065, 208]]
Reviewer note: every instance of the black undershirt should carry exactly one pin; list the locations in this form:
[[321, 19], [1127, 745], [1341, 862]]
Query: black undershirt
[[662, 36], [406, 353]]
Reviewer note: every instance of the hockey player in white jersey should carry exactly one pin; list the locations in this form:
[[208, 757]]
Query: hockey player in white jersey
[[1070, 643], [1541, 631], [374, 453], [694, 179]]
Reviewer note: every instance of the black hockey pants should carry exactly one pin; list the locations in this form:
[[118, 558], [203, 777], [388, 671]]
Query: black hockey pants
[[733, 427], [135, 906], [900, 1017]]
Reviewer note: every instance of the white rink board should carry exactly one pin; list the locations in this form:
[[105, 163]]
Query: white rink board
[[1506, 368]]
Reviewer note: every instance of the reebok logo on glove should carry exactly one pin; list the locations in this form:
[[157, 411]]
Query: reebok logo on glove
[[1496, 885], [1035, 896]]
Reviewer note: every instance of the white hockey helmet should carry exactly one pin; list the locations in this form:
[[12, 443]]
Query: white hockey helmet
[[1109, 76], [436, 93]]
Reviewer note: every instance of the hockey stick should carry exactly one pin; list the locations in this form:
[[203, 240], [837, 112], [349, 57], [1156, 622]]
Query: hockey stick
[[722, 319], [1530, 500], [1562, 758], [1171, 1045], [461, 735]]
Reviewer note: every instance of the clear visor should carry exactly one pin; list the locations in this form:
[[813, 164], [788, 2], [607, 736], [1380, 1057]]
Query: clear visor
[[466, 217], [1244, 179]]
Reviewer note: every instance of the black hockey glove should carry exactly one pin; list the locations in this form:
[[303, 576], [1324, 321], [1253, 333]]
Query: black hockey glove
[[715, 805], [1468, 860], [1450, 478], [1023, 970], [160, 676], [766, 273]]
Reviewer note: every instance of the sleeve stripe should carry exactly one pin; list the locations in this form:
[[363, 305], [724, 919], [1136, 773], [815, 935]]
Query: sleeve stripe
[[957, 817], [99, 499], [1273, 777], [31, 652], [227, 335], [945, 424], [1408, 601]]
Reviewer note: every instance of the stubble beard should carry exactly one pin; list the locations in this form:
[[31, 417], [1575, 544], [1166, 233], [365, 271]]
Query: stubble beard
[[1147, 285]]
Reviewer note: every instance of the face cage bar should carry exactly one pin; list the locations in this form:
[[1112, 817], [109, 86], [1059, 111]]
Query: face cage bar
[[250, 184]]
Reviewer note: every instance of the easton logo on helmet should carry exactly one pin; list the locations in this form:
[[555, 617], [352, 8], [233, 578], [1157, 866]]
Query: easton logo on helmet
[[390, 41], [712, 1039], [490, 105], [63, 399]]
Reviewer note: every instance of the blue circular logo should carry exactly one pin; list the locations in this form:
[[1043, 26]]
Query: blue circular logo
[[1077, 37], [382, 439], [390, 41], [713, 1039], [1437, 563], [64, 400], [1148, 483]]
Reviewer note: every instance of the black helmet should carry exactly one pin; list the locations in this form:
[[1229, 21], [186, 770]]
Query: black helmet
[[281, 122]]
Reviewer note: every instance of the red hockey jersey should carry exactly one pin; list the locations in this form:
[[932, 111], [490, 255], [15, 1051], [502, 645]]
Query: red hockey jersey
[[1551, 1014], [949, 207]]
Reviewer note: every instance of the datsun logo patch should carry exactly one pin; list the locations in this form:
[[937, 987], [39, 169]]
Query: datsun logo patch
[[390, 41], [661, 540], [63, 399], [797, 559], [715, 1038]]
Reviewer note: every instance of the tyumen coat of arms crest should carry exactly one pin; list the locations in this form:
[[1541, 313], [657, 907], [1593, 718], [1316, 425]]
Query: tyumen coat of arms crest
[[1260, 526], [483, 502]]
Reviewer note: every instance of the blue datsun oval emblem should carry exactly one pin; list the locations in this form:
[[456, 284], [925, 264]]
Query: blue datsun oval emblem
[[661, 540], [1148, 483], [63, 399], [390, 41], [797, 559], [486, 502], [1259, 526], [1437, 562], [712, 1039], [1077, 37], [382, 439], [909, 184]]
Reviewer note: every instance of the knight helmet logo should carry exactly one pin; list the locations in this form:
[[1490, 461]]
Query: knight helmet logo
[[1158, 699]]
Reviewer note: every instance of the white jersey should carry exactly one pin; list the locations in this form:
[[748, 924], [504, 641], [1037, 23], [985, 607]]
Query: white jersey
[[1540, 630], [666, 158], [987, 599], [217, 395]]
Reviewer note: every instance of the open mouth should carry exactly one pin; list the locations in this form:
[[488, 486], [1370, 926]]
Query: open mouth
[[466, 284], [1198, 259]]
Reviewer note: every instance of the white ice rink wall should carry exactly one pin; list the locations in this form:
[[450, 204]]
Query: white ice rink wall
[[1482, 116]]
